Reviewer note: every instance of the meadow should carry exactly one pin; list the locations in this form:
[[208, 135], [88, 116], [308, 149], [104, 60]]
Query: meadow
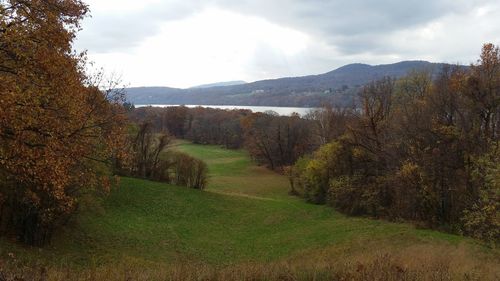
[[245, 225]]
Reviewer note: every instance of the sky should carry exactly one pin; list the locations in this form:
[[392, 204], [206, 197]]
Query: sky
[[184, 43]]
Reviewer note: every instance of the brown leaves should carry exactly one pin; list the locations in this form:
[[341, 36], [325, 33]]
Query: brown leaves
[[51, 123]]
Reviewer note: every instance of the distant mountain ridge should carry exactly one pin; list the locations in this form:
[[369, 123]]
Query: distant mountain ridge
[[339, 85], [219, 84]]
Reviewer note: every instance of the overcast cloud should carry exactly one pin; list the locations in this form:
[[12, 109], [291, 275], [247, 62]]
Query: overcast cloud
[[183, 43]]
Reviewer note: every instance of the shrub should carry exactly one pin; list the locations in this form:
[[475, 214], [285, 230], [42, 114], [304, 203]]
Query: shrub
[[189, 171]]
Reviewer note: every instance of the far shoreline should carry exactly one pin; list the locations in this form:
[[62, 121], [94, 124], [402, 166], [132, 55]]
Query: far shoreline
[[281, 110]]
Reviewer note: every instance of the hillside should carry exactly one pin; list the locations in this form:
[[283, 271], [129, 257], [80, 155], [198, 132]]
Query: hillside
[[146, 229], [339, 85], [219, 84]]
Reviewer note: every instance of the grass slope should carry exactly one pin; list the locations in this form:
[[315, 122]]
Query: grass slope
[[245, 215]]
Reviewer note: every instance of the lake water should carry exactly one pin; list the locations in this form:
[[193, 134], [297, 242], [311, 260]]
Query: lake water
[[284, 111]]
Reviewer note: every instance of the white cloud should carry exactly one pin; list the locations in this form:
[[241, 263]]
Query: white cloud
[[213, 45], [183, 43]]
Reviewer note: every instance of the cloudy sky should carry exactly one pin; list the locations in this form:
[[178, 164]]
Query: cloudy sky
[[183, 43]]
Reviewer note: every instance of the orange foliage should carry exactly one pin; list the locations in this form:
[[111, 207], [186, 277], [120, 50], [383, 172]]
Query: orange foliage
[[54, 119]]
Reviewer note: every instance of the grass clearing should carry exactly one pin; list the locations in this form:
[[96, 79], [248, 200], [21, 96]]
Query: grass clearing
[[245, 215]]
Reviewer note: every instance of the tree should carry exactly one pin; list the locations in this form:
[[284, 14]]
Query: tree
[[146, 150], [276, 141], [372, 131], [483, 88], [329, 122], [55, 121]]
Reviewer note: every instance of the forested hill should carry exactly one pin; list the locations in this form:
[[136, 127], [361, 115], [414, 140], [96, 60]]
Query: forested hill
[[338, 86]]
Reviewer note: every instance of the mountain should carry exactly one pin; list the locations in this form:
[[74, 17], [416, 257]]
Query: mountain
[[219, 84], [339, 86]]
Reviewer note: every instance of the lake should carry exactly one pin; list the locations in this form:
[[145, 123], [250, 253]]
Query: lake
[[284, 111]]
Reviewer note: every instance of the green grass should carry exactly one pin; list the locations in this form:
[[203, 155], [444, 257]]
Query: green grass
[[233, 173], [245, 214]]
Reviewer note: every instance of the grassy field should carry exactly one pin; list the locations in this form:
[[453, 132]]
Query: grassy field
[[244, 216]]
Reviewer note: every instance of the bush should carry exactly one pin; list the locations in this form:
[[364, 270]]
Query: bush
[[189, 171], [152, 160]]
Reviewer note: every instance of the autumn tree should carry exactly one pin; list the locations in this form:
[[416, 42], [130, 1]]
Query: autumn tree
[[276, 141], [56, 122], [329, 122], [146, 150], [372, 131], [484, 92]]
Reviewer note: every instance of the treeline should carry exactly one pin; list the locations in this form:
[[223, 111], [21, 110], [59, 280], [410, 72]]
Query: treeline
[[272, 140], [200, 125], [419, 149]]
